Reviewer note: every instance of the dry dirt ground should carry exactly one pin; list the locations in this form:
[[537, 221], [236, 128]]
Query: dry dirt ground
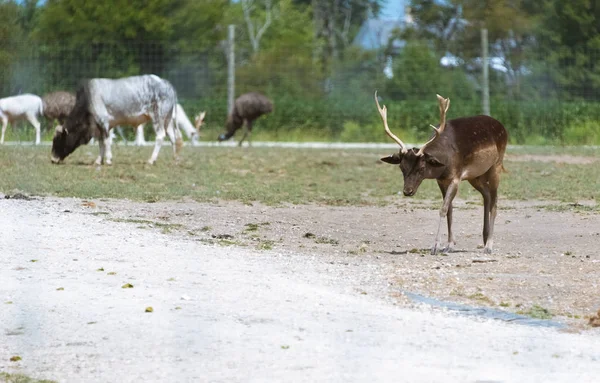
[[251, 293], [545, 262]]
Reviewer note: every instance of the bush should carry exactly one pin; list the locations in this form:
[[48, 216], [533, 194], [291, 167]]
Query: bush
[[354, 118]]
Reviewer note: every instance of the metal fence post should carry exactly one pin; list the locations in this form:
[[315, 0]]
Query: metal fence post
[[230, 68], [485, 81]]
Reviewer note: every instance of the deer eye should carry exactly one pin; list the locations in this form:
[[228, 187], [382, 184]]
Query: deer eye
[[433, 162]]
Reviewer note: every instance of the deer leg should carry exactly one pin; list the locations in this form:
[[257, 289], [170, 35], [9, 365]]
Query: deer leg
[[451, 191], [36, 125], [494, 181], [443, 188], [481, 184], [4, 125]]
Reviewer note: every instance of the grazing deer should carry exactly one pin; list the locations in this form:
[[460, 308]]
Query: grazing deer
[[468, 148]]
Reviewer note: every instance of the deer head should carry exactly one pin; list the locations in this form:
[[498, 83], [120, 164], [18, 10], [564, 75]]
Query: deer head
[[418, 164]]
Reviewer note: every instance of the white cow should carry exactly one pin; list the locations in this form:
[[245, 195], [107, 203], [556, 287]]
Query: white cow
[[22, 107], [102, 104], [183, 122]]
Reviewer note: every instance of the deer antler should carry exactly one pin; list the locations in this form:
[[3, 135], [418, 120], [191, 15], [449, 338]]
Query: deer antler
[[383, 114], [444, 105]]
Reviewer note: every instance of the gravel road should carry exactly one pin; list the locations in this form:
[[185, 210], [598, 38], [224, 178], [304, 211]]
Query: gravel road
[[229, 314]]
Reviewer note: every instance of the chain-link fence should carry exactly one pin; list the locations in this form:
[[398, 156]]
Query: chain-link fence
[[540, 101]]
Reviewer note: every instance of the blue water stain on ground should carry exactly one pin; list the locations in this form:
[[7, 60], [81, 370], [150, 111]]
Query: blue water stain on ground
[[484, 312]]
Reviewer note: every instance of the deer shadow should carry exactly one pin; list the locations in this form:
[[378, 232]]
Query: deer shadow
[[427, 251]]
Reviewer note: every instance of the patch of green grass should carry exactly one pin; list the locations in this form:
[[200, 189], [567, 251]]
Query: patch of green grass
[[96, 213], [165, 227], [327, 241], [265, 245], [18, 378], [481, 298], [251, 227], [537, 312], [274, 176], [221, 242]]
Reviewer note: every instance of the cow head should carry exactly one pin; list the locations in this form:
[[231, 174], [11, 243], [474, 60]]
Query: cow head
[[65, 141], [77, 129]]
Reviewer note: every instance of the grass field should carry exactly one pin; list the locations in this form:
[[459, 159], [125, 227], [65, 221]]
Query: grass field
[[18, 378], [275, 176]]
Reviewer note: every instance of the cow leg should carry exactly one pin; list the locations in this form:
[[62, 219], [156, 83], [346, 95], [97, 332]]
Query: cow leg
[[4, 125], [160, 137], [139, 136], [102, 150], [36, 125], [108, 149], [104, 143], [171, 135]]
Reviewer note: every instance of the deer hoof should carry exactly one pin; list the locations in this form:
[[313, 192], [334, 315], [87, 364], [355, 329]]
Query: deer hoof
[[448, 249], [487, 250]]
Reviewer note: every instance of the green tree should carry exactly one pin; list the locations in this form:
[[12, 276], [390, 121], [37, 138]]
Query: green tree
[[200, 25], [455, 27], [11, 46], [419, 75], [109, 38], [84, 22], [569, 45], [283, 64]]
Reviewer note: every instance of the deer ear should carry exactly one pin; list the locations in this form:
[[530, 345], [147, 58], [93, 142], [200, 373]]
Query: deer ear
[[394, 159]]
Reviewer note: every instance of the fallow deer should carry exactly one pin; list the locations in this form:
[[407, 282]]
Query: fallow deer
[[462, 149]]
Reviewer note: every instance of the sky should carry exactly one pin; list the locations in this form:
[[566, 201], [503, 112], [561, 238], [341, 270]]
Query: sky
[[393, 9]]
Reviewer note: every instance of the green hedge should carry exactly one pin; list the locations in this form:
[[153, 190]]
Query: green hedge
[[355, 119]]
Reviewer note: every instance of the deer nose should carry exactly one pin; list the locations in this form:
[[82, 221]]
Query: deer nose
[[408, 192]]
